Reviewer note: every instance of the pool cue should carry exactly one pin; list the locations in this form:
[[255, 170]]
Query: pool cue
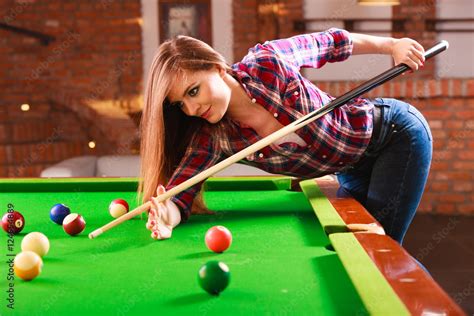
[[290, 128]]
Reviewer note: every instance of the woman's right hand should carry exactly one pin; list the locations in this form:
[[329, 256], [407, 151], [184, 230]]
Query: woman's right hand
[[162, 216], [409, 52]]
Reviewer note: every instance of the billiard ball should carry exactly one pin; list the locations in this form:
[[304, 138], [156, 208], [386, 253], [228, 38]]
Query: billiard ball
[[13, 222], [58, 212], [118, 208], [214, 276], [74, 224], [27, 265], [218, 239], [36, 242]]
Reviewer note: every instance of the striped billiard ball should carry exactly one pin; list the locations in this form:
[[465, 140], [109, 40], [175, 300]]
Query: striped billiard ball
[[13, 222], [118, 208], [74, 224]]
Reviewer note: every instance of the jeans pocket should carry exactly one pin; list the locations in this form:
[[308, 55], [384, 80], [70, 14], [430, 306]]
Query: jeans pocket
[[422, 120]]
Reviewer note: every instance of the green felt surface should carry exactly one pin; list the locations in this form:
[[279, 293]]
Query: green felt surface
[[325, 212], [278, 260], [371, 284]]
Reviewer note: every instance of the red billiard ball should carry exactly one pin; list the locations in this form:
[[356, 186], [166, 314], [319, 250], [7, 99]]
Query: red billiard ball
[[218, 239], [74, 224], [13, 222], [118, 208]]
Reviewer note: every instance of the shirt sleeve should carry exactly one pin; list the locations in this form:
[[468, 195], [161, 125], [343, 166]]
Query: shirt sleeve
[[200, 155], [313, 50]]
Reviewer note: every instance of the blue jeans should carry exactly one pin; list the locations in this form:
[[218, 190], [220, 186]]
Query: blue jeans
[[390, 178]]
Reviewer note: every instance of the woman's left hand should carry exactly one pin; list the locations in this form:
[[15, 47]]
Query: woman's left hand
[[162, 216], [409, 52]]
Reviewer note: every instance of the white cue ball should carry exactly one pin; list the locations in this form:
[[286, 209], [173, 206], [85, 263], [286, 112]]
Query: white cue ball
[[36, 242]]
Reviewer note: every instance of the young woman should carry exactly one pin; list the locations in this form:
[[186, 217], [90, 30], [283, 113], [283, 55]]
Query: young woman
[[198, 111]]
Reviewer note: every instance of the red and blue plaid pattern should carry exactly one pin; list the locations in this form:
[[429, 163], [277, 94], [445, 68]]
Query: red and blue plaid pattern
[[270, 74]]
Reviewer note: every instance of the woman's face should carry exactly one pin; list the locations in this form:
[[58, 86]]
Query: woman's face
[[202, 93]]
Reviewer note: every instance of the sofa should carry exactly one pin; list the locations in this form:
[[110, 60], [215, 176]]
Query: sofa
[[123, 166]]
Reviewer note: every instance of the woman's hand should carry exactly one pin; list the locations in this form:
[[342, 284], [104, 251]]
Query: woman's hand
[[408, 52], [162, 216]]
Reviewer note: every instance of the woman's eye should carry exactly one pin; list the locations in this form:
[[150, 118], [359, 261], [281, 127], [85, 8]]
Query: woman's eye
[[193, 92]]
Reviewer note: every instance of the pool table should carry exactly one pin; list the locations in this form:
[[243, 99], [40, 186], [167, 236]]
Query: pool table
[[291, 254]]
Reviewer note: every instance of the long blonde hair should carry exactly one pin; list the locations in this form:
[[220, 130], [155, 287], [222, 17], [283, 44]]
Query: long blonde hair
[[166, 133]]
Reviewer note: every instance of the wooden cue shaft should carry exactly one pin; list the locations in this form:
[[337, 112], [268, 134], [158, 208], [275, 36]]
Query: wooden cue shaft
[[303, 121], [203, 175], [142, 208]]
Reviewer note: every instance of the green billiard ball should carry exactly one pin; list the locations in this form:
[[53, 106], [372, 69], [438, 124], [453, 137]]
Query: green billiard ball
[[214, 277]]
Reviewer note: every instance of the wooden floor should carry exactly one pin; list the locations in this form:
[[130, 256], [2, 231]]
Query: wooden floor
[[445, 246]]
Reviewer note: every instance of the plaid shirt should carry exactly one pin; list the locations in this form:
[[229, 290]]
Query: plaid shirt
[[270, 74]]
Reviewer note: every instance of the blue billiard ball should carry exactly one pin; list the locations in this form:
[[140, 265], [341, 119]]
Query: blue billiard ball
[[58, 213]]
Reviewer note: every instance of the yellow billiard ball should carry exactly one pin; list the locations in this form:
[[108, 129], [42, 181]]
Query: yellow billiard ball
[[27, 265]]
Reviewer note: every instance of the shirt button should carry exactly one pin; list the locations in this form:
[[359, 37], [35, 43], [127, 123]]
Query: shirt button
[[254, 100], [341, 163], [296, 93], [324, 156], [249, 158], [260, 155], [275, 114]]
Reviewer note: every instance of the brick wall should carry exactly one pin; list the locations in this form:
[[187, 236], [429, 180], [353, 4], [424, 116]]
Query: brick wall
[[81, 87], [256, 21], [448, 104]]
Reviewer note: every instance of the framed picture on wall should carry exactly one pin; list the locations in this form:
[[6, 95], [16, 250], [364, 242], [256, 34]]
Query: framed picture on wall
[[187, 17]]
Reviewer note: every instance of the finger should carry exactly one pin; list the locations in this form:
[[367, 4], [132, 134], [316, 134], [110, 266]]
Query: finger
[[159, 206], [160, 190], [419, 47], [151, 219], [412, 64], [155, 235], [159, 211], [156, 219], [418, 56], [149, 225], [155, 202], [165, 232], [163, 229], [164, 213]]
